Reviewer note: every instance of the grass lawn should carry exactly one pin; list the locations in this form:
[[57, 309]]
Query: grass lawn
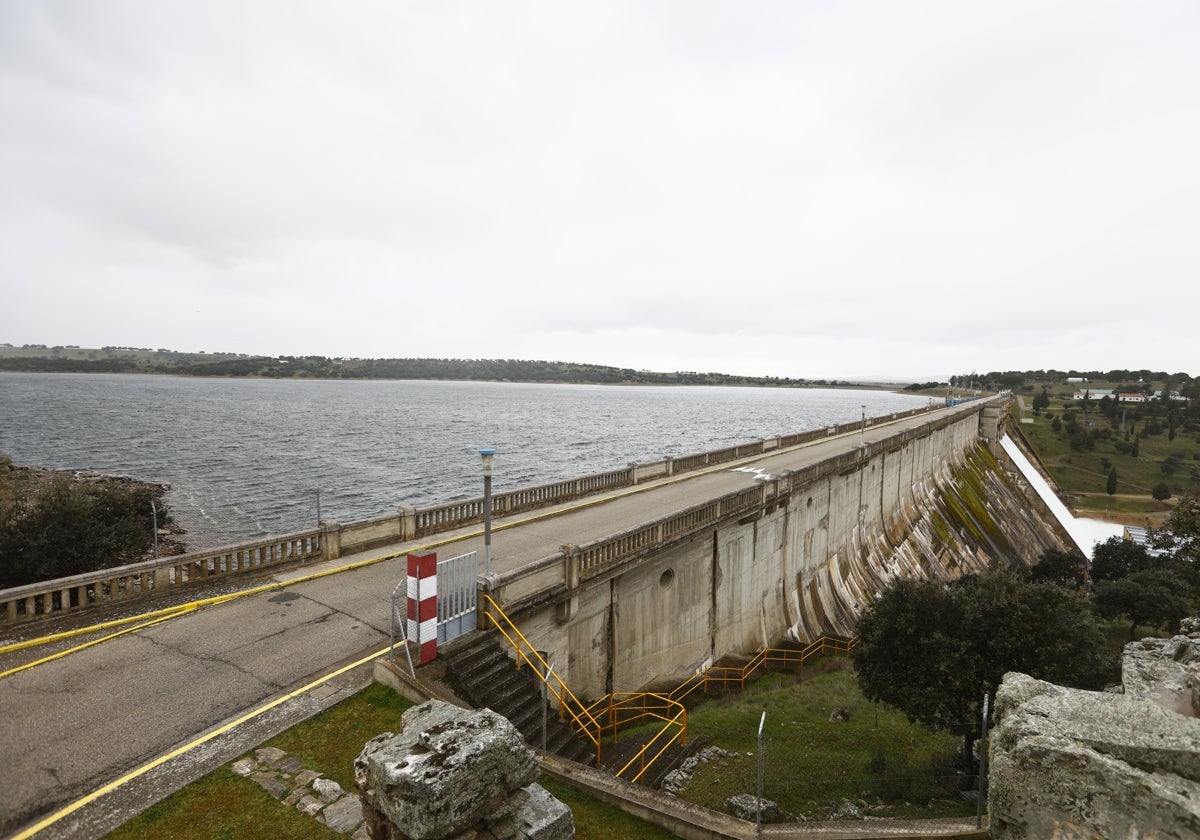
[[876, 758], [222, 806], [1083, 474], [226, 805]]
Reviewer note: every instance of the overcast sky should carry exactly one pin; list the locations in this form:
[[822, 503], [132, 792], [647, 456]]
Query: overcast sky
[[805, 189]]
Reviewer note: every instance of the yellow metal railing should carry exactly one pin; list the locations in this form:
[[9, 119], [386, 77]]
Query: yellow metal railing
[[608, 715], [725, 677], [631, 709], [568, 704]]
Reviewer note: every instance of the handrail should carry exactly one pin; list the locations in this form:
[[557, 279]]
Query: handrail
[[726, 674], [673, 716], [583, 718], [668, 708]]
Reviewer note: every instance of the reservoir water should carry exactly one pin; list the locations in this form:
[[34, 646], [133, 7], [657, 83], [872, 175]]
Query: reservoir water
[[247, 457]]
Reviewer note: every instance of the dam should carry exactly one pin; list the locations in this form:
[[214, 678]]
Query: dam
[[624, 580]]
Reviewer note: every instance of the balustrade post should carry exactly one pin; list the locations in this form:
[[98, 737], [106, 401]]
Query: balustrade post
[[408, 522], [563, 609], [331, 541]]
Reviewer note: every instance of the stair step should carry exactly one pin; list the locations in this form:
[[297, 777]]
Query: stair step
[[488, 677]]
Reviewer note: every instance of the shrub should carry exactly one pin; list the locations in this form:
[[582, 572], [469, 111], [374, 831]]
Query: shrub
[[69, 527]]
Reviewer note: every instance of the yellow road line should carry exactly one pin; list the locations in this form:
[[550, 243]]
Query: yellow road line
[[77, 648], [203, 739]]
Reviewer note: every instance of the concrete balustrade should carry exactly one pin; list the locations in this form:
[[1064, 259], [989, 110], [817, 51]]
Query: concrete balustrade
[[154, 577], [333, 540], [549, 578]]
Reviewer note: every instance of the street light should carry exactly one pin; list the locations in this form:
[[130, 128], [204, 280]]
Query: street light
[[486, 456], [862, 432]]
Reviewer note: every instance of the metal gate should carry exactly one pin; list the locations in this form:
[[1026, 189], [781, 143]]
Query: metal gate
[[456, 597], [456, 587]]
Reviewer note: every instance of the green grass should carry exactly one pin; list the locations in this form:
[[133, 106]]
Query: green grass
[[1083, 474], [877, 758], [226, 805], [595, 820], [223, 804], [218, 806], [329, 742]]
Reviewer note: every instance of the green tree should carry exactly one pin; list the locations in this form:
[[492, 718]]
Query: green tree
[[1117, 558], [1061, 568], [1155, 597], [932, 648], [1110, 486], [1161, 491], [69, 528]]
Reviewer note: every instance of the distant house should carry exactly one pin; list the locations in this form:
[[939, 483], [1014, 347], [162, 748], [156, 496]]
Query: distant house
[[1076, 379], [1134, 397], [1091, 395]]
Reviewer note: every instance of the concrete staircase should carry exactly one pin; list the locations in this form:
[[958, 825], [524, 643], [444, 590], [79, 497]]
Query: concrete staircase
[[482, 673]]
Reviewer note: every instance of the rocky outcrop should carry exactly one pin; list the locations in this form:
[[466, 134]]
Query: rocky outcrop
[[747, 806], [450, 771], [1165, 671], [1082, 764]]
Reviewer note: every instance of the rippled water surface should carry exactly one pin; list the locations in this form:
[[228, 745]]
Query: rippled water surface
[[247, 457]]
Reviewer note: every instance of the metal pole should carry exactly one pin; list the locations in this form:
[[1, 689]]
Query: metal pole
[[318, 507], [862, 432], [154, 514], [761, 764], [982, 766], [545, 704], [486, 455], [487, 524]]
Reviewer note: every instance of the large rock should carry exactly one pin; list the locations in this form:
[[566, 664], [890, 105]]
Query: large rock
[[747, 806], [445, 770], [1164, 671], [1082, 764]]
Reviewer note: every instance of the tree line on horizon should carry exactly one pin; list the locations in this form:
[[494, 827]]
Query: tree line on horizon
[[140, 360]]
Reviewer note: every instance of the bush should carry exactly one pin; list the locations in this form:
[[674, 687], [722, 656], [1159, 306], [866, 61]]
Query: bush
[[69, 528], [1161, 491]]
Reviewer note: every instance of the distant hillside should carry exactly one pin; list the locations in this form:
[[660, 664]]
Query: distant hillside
[[39, 358]]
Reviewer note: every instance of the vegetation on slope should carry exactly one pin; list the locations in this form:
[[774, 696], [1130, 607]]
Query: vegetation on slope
[[39, 358], [53, 524]]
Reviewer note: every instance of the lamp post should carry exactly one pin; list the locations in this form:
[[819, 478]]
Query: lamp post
[[486, 456], [862, 432]]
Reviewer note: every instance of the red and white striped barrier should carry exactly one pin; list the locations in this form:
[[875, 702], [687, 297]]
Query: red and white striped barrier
[[422, 604]]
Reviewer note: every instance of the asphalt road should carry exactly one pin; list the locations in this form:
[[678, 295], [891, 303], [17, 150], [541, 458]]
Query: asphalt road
[[72, 725]]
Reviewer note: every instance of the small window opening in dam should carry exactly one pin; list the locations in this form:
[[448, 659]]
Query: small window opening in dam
[[667, 579]]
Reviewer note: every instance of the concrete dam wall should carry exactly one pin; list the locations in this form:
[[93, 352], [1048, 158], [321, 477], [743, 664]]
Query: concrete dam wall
[[802, 567]]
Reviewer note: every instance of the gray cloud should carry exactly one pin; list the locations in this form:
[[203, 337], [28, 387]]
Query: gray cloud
[[767, 188]]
